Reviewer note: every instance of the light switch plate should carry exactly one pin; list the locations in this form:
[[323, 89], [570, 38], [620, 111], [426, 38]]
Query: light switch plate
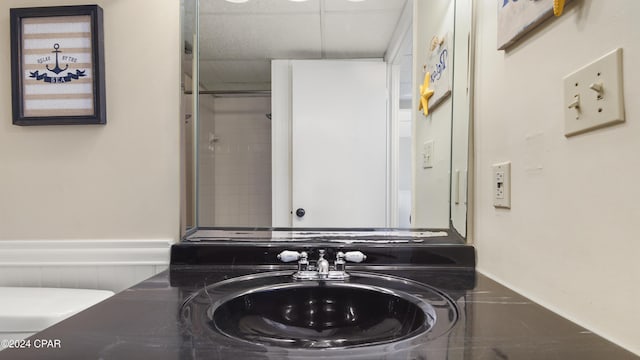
[[460, 187], [456, 187], [593, 95], [427, 154], [502, 185]]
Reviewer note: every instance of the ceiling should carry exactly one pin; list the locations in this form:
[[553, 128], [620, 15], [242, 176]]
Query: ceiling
[[238, 41]]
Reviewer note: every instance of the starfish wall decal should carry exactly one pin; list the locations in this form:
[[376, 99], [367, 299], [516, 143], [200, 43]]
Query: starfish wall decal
[[558, 7], [425, 94]]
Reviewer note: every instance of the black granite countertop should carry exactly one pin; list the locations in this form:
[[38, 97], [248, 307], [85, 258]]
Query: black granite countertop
[[145, 322]]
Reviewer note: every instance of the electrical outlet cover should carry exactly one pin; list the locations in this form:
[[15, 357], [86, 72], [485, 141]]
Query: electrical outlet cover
[[593, 95]]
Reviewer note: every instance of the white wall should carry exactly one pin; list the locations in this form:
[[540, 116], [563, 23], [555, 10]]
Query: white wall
[[234, 147], [399, 59], [431, 186], [404, 168], [570, 241], [95, 182]]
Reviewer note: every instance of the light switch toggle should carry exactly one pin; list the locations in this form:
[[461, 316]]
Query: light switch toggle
[[597, 87], [575, 104]]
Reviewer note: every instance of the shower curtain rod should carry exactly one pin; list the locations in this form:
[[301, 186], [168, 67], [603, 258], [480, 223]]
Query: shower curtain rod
[[232, 92]]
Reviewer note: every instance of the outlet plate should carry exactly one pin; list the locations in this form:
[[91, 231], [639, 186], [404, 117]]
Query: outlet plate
[[593, 95], [502, 185]]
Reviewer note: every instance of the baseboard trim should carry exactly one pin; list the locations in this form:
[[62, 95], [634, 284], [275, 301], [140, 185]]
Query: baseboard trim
[[120, 252]]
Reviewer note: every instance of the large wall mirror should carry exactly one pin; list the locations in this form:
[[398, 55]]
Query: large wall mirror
[[304, 114]]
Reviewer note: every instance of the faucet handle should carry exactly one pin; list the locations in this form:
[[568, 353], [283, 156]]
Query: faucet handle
[[355, 256], [289, 256]]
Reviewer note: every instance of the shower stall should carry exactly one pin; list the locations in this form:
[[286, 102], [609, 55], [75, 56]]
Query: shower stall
[[234, 159]]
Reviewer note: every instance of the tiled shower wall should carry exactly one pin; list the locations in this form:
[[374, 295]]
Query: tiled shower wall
[[234, 161]]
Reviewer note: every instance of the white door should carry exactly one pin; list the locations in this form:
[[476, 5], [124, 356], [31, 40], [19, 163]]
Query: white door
[[339, 143]]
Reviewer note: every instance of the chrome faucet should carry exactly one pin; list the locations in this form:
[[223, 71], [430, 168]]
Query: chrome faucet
[[322, 264], [322, 270]]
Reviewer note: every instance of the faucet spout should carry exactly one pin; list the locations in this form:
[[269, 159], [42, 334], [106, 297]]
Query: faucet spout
[[322, 264]]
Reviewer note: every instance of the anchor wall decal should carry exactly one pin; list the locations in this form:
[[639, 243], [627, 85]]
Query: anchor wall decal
[[57, 69]]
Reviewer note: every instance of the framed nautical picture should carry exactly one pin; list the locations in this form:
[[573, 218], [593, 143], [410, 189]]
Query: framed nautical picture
[[438, 65], [517, 18], [57, 65]]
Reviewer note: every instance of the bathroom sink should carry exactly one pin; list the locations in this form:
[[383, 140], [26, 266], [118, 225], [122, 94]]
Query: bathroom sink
[[320, 316], [273, 310]]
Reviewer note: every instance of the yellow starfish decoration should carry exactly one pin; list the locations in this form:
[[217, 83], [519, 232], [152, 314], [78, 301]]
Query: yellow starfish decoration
[[425, 94]]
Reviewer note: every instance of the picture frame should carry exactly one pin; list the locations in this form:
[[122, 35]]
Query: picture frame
[[57, 65], [438, 65], [517, 18]]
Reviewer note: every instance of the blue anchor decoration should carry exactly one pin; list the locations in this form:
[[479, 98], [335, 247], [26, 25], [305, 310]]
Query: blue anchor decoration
[[57, 69]]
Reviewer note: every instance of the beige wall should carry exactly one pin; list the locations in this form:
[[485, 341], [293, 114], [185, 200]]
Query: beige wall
[[115, 181], [570, 241]]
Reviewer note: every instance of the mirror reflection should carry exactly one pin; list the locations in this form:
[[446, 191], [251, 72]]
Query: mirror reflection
[[304, 114]]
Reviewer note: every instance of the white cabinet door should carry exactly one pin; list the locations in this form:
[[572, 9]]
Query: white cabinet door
[[339, 143]]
